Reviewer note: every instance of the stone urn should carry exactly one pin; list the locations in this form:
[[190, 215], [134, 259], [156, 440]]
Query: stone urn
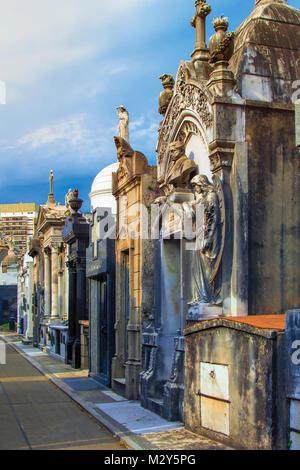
[[75, 203], [221, 43]]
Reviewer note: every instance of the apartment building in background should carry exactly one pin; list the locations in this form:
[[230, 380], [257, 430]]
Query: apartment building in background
[[18, 221]]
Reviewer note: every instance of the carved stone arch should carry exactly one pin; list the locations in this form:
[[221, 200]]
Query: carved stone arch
[[192, 133], [187, 77], [189, 98]]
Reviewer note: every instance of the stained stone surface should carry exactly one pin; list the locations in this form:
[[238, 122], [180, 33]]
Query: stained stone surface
[[82, 384], [293, 353], [137, 419], [181, 439]]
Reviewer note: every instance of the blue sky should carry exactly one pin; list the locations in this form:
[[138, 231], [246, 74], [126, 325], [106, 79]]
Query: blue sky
[[67, 65]]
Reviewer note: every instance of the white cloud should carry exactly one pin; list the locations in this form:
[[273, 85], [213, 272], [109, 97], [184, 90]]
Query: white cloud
[[38, 36], [71, 131]]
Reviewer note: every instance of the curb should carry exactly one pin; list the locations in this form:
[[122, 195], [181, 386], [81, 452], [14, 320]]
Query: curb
[[128, 438]]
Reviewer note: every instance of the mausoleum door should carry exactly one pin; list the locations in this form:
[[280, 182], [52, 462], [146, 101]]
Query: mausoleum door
[[126, 302], [103, 327]]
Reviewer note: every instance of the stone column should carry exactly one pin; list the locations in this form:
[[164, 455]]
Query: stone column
[[71, 310], [80, 310], [54, 281], [47, 282]]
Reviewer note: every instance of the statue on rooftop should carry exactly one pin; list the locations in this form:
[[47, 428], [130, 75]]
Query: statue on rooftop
[[124, 123], [68, 197]]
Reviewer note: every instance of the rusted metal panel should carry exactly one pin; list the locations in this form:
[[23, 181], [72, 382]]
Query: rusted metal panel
[[214, 380], [215, 415]]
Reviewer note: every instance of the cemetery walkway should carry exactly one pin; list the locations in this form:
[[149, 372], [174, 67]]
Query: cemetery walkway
[[36, 415], [46, 404]]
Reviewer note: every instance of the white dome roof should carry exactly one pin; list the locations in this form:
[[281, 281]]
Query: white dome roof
[[103, 179], [101, 192]]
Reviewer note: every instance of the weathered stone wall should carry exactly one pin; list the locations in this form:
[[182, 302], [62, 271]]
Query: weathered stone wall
[[274, 217], [135, 254], [258, 409]]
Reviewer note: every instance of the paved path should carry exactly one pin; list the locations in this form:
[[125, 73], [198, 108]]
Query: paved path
[[35, 414], [136, 427]]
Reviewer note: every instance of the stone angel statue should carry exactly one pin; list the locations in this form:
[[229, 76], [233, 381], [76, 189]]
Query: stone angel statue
[[124, 123], [209, 240]]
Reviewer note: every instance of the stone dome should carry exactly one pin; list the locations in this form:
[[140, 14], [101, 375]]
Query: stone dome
[[10, 260], [265, 60], [101, 192]]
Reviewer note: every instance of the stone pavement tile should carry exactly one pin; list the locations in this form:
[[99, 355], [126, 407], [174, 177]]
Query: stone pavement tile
[[33, 391], [72, 373], [138, 427], [96, 397], [136, 418], [82, 384], [11, 437], [55, 424], [114, 395], [182, 439]]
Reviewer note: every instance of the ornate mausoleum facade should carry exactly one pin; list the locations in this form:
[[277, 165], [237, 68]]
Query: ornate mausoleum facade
[[50, 278], [228, 165], [134, 187]]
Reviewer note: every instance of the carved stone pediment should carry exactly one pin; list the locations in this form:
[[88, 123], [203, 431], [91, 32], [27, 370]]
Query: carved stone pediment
[[189, 97]]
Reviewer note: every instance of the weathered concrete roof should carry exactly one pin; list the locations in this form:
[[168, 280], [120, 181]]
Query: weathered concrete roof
[[273, 29], [262, 325]]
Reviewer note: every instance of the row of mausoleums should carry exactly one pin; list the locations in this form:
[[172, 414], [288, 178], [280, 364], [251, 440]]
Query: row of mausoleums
[[193, 327]]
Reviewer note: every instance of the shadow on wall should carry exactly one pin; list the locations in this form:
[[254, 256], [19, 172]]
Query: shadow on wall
[[8, 303]]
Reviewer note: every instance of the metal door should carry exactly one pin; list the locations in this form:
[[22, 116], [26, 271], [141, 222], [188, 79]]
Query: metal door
[[126, 300], [104, 353]]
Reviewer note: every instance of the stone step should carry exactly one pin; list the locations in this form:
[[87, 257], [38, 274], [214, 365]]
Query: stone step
[[119, 386], [156, 405]]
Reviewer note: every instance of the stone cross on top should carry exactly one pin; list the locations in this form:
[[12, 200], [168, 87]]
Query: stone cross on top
[[51, 201], [198, 22]]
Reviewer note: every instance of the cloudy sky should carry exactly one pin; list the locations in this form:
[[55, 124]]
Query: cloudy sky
[[67, 65]]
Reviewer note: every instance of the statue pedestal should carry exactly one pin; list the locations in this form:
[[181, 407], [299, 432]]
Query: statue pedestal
[[181, 195], [221, 81], [198, 311]]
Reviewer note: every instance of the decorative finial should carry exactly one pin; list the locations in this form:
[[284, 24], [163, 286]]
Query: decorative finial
[[198, 22], [219, 44], [220, 23], [166, 95], [221, 47], [75, 203]]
